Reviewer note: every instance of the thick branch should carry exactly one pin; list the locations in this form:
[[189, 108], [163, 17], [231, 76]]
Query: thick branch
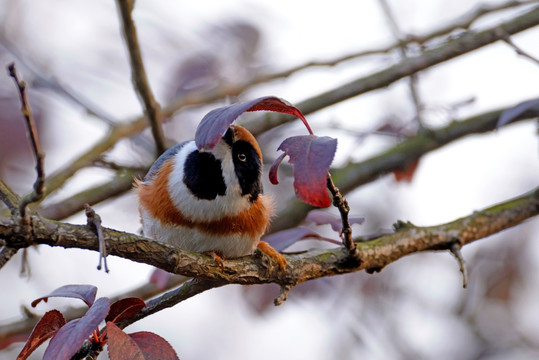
[[138, 74], [375, 254], [302, 267]]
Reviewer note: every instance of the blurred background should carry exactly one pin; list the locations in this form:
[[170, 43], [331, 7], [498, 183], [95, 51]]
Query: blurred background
[[73, 56]]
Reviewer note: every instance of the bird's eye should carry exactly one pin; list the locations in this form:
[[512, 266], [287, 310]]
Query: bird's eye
[[242, 157]]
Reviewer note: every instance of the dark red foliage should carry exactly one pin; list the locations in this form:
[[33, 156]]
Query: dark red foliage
[[154, 346], [138, 346], [311, 157], [124, 309], [407, 172], [85, 293], [121, 346], [46, 327], [214, 125], [67, 341]]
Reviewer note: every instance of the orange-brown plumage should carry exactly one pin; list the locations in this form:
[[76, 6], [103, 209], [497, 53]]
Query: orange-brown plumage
[[209, 201], [155, 198]]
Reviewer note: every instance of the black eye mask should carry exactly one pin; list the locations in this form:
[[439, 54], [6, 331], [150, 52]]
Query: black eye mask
[[248, 168]]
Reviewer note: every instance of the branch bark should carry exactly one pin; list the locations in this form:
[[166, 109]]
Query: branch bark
[[259, 269], [138, 74]]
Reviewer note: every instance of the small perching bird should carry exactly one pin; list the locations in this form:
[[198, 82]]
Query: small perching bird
[[209, 200]]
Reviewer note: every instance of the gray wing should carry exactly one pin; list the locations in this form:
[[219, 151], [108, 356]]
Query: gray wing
[[164, 157]]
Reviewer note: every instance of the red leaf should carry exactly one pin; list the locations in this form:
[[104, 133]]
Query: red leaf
[[311, 157], [320, 217], [214, 125], [46, 327], [406, 173], [138, 346], [274, 167], [124, 309], [121, 346], [154, 346], [85, 293], [285, 238], [71, 336]]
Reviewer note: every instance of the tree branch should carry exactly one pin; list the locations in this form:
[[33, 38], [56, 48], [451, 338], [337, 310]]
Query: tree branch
[[138, 75], [459, 46], [375, 254], [118, 185], [468, 42], [259, 269], [9, 198], [39, 185]]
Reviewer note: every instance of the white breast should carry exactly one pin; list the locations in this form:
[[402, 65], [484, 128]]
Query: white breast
[[230, 246]]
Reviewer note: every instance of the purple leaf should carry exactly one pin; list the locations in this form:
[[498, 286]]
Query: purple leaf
[[214, 125], [320, 217], [46, 327], [286, 238], [311, 157], [85, 293], [71, 336], [274, 168], [513, 113]]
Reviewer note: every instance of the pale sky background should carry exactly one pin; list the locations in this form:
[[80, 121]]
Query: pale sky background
[[79, 42]]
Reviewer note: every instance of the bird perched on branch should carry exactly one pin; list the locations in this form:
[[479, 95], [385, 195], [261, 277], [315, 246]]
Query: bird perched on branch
[[209, 201]]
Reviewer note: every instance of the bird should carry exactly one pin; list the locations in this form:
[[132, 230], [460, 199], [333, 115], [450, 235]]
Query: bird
[[211, 200]]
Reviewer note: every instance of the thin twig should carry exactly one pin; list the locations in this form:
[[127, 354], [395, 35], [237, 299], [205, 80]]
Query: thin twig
[[94, 221], [466, 20], [9, 198], [455, 250], [403, 48], [39, 184], [283, 295], [51, 83], [507, 39], [138, 75], [340, 203], [173, 297]]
